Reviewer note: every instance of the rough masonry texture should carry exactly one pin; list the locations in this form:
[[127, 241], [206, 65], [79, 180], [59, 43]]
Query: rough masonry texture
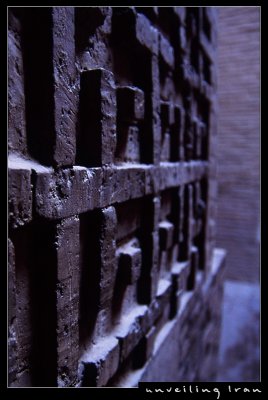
[[113, 273]]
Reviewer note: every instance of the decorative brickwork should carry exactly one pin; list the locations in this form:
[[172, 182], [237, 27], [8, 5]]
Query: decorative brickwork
[[112, 266]]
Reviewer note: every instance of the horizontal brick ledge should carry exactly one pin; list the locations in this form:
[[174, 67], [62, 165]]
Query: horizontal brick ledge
[[63, 193]]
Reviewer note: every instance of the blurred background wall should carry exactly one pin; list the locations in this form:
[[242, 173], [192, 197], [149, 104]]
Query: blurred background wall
[[239, 189], [238, 141]]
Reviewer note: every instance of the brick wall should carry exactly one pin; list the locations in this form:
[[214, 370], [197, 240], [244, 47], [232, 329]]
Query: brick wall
[[239, 140], [112, 263]]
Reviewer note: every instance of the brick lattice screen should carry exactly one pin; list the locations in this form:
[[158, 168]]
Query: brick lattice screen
[[112, 190]]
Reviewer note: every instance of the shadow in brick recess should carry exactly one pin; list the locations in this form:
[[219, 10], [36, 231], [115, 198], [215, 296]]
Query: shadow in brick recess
[[125, 53], [37, 41], [87, 20], [36, 271]]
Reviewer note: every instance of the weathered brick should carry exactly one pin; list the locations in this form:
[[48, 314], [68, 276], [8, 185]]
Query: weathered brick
[[155, 100], [166, 230], [20, 329], [146, 34], [99, 364], [144, 349], [60, 194], [166, 51], [194, 262], [180, 12], [99, 187], [134, 28], [129, 338], [149, 342], [17, 140], [130, 262], [179, 117], [167, 113], [68, 281], [12, 320], [130, 103], [134, 182], [165, 151], [155, 212], [152, 180], [20, 195], [129, 147], [108, 255], [65, 83]]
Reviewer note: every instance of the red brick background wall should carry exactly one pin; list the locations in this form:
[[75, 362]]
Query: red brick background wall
[[239, 140]]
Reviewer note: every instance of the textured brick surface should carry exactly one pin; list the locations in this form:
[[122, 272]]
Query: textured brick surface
[[239, 141], [112, 266], [20, 195]]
